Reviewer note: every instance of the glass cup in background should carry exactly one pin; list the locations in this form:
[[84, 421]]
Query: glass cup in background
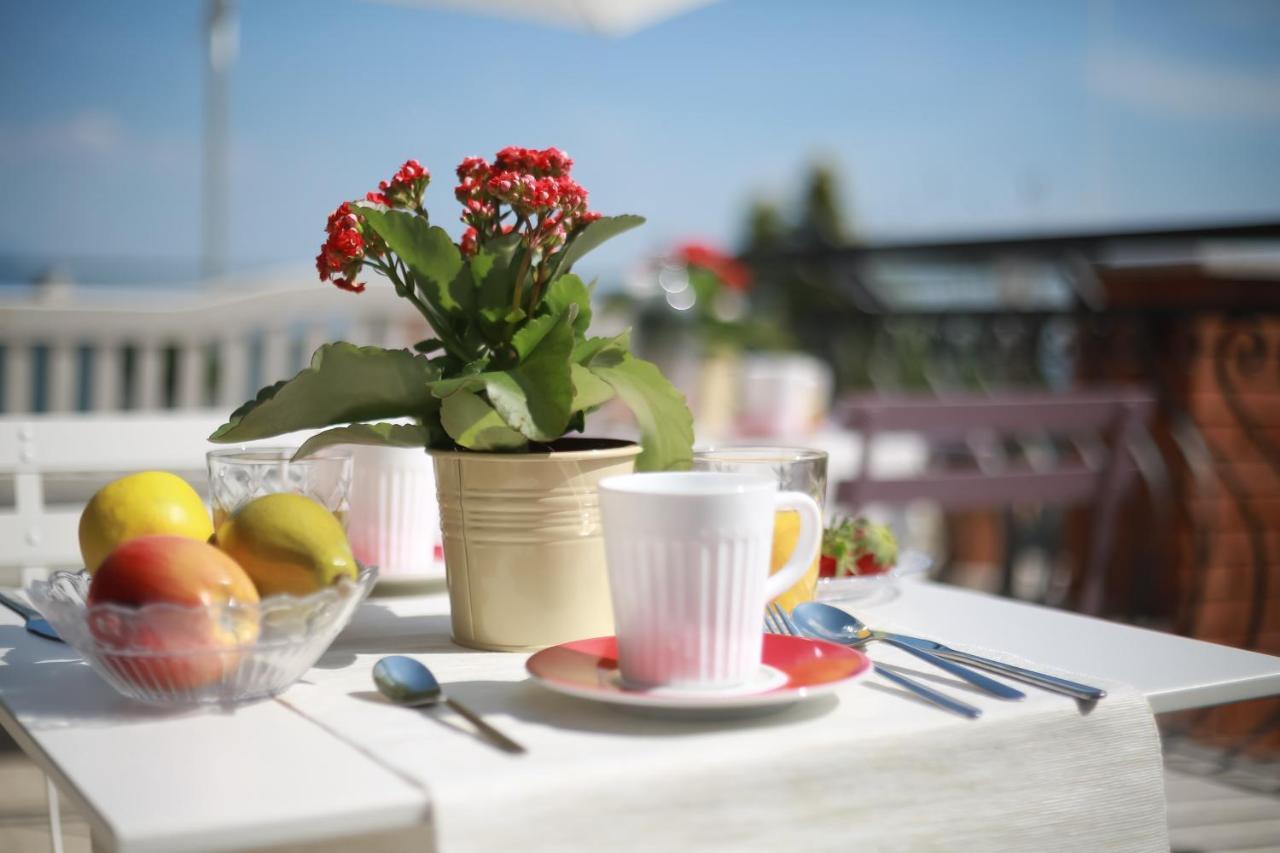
[[238, 475], [795, 469]]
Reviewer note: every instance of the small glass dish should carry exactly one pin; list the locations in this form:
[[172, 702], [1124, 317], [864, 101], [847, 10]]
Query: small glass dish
[[172, 654], [875, 589]]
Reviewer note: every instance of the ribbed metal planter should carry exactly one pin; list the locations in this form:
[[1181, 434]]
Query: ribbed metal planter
[[523, 548]]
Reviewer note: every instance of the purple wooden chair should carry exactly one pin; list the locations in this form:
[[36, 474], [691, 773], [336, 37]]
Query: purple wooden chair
[[1039, 447]]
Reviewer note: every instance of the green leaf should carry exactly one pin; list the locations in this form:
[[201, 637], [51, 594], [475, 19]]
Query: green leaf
[[429, 252], [565, 291], [531, 334], [344, 384], [589, 390], [474, 424], [536, 396], [586, 350], [593, 235], [379, 435], [430, 345], [493, 271], [666, 427]]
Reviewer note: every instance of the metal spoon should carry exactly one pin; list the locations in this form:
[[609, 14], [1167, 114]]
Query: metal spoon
[[831, 623], [406, 681], [777, 621], [851, 629]]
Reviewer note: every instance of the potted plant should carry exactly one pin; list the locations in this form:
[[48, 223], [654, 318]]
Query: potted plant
[[494, 395]]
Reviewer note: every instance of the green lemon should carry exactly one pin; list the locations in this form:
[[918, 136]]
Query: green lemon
[[288, 544]]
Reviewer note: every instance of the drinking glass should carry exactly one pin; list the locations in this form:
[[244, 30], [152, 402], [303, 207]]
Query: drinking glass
[[238, 475], [795, 469]]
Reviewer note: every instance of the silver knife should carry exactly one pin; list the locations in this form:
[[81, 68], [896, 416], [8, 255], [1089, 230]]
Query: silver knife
[[35, 623], [1027, 676]]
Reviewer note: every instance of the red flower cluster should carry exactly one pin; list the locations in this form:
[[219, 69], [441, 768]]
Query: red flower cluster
[[343, 252], [534, 185], [405, 189], [735, 274], [525, 190]]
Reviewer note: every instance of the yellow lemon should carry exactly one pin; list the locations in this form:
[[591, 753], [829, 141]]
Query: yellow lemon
[[786, 531], [143, 504], [287, 543]]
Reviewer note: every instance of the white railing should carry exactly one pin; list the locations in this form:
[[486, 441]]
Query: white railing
[[80, 348]]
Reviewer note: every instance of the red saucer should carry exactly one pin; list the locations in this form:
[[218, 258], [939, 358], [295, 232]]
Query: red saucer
[[794, 668]]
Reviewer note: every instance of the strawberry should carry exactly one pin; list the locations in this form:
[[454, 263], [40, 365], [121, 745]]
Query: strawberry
[[857, 547], [827, 567]]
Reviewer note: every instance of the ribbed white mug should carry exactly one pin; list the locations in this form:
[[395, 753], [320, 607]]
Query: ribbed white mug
[[394, 520], [689, 578]]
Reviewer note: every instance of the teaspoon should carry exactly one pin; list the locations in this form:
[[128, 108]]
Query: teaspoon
[[406, 681], [831, 623], [851, 630]]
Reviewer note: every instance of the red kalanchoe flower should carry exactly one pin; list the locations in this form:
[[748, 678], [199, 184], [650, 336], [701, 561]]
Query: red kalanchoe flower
[[588, 217], [411, 171], [343, 253], [554, 162], [516, 159], [468, 244], [346, 284], [342, 217], [544, 193], [405, 189], [473, 168], [735, 274]]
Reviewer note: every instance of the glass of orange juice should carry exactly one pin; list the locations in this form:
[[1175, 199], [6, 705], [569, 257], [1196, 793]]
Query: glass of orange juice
[[797, 469]]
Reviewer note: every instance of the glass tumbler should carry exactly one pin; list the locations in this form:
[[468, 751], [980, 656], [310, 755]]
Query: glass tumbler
[[796, 469], [238, 475]]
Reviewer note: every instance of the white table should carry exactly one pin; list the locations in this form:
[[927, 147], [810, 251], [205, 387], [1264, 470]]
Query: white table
[[267, 775]]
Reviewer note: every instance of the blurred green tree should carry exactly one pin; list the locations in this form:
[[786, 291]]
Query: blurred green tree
[[805, 296]]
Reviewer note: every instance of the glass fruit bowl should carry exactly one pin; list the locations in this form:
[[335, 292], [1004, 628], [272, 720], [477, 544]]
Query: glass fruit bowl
[[172, 654]]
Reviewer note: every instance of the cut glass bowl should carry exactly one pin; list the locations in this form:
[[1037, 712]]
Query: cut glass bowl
[[171, 654]]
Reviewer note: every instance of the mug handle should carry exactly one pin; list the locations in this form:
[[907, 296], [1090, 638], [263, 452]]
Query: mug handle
[[807, 543]]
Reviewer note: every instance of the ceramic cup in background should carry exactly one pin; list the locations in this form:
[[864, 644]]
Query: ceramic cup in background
[[394, 520], [688, 558]]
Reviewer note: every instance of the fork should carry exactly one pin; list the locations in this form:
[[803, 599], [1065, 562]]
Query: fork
[[778, 621]]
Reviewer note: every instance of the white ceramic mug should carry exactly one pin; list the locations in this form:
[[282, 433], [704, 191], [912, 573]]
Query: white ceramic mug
[[394, 521], [688, 558]]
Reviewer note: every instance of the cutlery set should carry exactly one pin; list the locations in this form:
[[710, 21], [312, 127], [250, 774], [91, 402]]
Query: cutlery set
[[824, 622]]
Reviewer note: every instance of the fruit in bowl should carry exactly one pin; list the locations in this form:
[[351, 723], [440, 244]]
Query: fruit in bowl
[[194, 641], [142, 504], [857, 546], [288, 544], [168, 618]]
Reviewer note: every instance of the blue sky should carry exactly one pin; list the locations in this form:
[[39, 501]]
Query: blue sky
[[944, 118]]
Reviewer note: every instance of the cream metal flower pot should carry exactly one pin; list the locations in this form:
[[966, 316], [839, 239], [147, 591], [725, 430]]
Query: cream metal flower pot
[[523, 548]]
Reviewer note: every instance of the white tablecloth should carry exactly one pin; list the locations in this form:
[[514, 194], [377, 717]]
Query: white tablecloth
[[867, 769]]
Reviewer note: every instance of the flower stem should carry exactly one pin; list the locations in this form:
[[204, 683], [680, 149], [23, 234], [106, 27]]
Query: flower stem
[[404, 287], [520, 274]]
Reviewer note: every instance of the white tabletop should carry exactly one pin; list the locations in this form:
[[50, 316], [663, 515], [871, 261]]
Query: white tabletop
[[1174, 673], [266, 774]]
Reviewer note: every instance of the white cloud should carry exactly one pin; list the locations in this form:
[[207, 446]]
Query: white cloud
[[1177, 87], [94, 136], [92, 133]]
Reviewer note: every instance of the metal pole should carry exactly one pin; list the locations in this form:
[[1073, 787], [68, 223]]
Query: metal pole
[[222, 30]]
